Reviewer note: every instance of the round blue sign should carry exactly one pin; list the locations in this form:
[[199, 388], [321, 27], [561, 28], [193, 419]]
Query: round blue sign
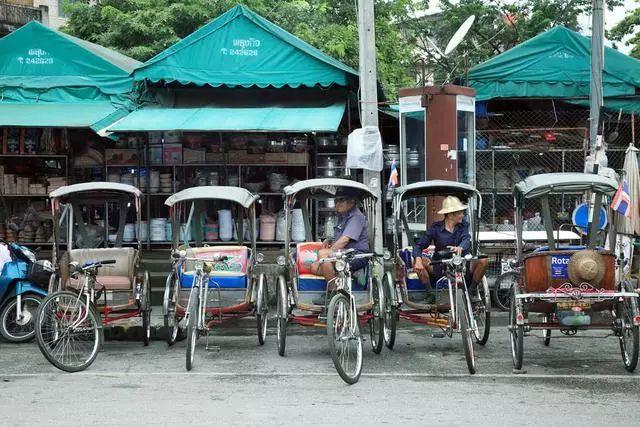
[[580, 218]]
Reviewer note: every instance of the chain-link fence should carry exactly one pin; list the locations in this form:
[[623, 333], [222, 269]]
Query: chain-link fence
[[511, 145]]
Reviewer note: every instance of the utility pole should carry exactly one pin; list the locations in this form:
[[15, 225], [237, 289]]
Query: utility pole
[[597, 54], [369, 98]]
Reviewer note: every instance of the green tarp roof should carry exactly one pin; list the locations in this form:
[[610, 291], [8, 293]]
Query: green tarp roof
[[37, 57], [51, 79], [554, 64], [290, 119], [241, 48]]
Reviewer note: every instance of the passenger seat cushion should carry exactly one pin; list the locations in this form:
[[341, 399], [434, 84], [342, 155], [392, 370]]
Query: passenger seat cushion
[[118, 276], [238, 261], [306, 255], [237, 266]]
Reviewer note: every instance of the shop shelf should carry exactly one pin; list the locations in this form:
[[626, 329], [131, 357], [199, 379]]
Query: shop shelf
[[29, 196], [49, 156]]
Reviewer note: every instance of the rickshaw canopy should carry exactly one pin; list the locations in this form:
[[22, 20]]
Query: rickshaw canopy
[[104, 190], [238, 195], [436, 187], [557, 183], [326, 187]]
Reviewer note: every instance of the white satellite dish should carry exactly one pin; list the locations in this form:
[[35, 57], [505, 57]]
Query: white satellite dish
[[459, 35]]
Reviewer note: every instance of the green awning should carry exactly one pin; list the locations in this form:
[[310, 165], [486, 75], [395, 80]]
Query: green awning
[[554, 64], [75, 115], [241, 48], [284, 119], [627, 104], [39, 58]]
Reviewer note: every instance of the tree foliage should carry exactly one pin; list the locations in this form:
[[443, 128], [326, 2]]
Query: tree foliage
[[142, 28], [499, 26], [629, 26]]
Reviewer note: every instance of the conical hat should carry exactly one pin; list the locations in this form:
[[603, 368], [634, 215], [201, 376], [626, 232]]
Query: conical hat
[[586, 266]]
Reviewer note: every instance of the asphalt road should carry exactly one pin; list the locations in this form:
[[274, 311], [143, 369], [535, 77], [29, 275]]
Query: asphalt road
[[424, 380]]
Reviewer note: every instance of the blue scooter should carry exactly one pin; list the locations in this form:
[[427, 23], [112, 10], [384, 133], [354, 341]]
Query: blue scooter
[[23, 284]]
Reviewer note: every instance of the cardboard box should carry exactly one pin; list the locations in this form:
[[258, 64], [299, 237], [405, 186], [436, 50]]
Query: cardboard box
[[214, 158], [237, 156], [254, 159], [276, 158], [172, 154], [121, 156], [193, 155], [298, 158]]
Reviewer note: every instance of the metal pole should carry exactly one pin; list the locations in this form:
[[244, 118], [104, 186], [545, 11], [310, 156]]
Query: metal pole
[[597, 54], [369, 99]]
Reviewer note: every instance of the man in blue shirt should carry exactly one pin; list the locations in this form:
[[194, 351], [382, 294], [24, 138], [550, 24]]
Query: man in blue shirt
[[351, 231], [451, 233]]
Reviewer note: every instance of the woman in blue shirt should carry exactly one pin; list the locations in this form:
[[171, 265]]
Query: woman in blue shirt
[[451, 233]]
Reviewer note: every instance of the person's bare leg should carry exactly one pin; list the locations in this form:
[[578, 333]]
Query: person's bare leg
[[325, 270], [479, 268]]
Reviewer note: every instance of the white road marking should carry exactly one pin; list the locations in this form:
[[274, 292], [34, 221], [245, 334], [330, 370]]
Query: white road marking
[[326, 374]]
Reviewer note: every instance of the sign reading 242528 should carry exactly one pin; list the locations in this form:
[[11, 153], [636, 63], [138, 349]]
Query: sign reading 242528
[[242, 47], [36, 56]]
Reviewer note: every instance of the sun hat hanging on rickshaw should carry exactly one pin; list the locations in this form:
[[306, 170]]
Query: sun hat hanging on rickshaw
[[572, 288], [226, 270]]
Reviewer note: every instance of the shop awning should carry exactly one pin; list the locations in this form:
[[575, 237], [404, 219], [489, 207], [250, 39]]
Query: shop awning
[[241, 48], [554, 64], [284, 119], [39, 58], [97, 115]]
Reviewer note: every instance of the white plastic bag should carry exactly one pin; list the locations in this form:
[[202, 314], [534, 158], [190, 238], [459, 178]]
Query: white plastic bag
[[364, 149]]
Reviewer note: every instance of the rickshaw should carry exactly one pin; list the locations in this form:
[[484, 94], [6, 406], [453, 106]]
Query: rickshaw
[[572, 288], [210, 285], [359, 295], [97, 280], [447, 305]]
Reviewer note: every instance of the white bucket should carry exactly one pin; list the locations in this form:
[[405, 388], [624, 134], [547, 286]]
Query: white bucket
[[225, 222], [297, 226], [267, 227], [141, 231], [129, 234]]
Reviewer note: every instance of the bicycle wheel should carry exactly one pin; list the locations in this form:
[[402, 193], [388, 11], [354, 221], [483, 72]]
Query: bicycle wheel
[[261, 308], [376, 323], [283, 314], [192, 326], [467, 342], [146, 310], [68, 331], [502, 289], [482, 314], [517, 335], [629, 334], [390, 312], [546, 333], [345, 342], [19, 330]]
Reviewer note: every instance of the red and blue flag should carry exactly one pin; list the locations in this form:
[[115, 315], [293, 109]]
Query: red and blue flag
[[393, 177], [621, 202]]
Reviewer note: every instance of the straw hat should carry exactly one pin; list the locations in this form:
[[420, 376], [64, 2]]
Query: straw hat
[[586, 266], [451, 204]]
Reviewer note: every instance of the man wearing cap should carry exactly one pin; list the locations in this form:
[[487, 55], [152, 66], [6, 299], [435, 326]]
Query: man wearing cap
[[451, 233], [351, 231]]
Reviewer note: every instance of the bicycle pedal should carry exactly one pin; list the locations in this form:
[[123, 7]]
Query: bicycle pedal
[[438, 335]]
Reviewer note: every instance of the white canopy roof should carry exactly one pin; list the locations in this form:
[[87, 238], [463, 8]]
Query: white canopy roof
[[327, 185], [238, 195], [113, 187]]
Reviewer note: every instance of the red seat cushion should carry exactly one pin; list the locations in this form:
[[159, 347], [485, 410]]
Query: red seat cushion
[[307, 254]]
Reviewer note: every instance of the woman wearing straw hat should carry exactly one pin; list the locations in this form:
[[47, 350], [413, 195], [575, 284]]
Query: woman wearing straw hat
[[451, 233]]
